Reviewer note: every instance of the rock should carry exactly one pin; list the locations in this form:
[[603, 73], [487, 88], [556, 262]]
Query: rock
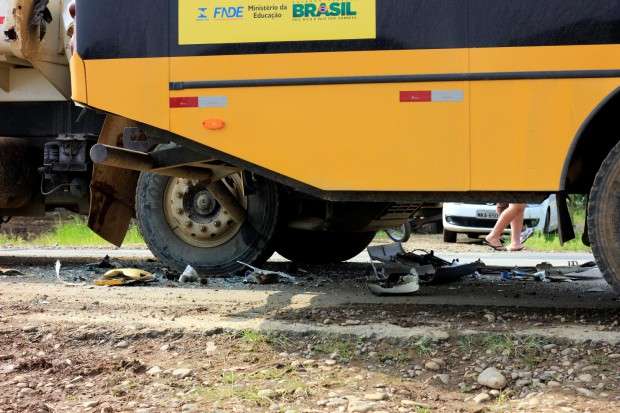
[[549, 347], [490, 318], [376, 397], [494, 393], [335, 402], [523, 382], [585, 378], [154, 371], [481, 398], [122, 344], [492, 378], [432, 365], [444, 378], [90, 404], [359, 406], [266, 393], [585, 392], [553, 383], [352, 323], [29, 329], [189, 408], [330, 362], [614, 356], [182, 373], [327, 321], [106, 409]]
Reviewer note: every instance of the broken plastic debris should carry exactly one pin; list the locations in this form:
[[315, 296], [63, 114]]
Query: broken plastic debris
[[190, 275], [9, 272], [125, 276], [258, 276], [407, 284], [430, 268]]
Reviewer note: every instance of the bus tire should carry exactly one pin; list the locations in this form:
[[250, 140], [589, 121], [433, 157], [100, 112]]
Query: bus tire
[[319, 247], [604, 218], [252, 242]]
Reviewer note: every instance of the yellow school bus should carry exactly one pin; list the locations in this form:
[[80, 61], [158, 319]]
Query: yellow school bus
[[305, 126]]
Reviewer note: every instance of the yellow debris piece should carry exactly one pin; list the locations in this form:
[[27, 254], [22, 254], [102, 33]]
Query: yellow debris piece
[[125, 276]]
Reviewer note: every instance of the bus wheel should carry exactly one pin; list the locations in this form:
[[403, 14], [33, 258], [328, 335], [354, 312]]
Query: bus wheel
[[604, 218], [184, 225], [317, 247]]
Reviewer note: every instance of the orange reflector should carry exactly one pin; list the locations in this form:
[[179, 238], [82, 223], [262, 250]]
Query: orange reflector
[[214, 124]]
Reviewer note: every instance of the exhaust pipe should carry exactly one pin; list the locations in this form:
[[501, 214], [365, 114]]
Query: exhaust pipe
[[139, 161]]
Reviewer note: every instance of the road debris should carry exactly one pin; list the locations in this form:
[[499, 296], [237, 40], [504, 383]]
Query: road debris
[[190, 275], [258, 276], [125, 276], [402, 272], [543, 272], [57, 267], [9, 272]]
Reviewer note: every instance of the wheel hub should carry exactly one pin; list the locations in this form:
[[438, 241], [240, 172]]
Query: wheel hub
[[196, 217]]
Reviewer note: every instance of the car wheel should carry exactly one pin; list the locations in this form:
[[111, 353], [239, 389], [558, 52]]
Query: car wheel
[[449, 236], [604, 218]]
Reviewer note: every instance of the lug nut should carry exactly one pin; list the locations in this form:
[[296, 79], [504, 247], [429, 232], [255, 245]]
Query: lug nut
[[203, 229], [217, 224], [180, 211]]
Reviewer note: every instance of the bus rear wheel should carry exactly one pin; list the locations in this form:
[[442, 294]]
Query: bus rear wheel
[[184, 225], [318, 247], [604, 218]]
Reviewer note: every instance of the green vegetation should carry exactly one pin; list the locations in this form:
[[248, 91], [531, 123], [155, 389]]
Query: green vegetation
[[72, 233], [551, 242]]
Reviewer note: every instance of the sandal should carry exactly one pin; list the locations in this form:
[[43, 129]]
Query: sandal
[[499, 247], [515, 249]]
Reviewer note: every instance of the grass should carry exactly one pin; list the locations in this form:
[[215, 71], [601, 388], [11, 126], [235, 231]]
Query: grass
[[72, 233], [543, 242], [344, 349]]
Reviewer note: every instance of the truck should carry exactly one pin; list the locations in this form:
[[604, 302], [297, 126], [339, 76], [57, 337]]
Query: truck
[[44, 137], [236, 129]]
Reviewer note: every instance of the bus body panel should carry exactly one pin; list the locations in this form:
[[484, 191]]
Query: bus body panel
[[497, 91]]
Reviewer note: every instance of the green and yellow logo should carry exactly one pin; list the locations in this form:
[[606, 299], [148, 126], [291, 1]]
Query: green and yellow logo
[[323, 9]]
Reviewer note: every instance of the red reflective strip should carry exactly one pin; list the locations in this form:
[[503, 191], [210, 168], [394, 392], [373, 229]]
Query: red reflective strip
[[186, 102], [416, 96], [1, 19]]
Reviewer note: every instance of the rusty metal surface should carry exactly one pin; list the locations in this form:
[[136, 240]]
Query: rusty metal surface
[[113, 190], [18, 175]]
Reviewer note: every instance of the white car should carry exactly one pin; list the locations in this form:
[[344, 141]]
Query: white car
[[478, 219]]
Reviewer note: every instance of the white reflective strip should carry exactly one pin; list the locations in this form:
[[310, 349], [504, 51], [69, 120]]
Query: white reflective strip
[[212, 101], [447, 95]]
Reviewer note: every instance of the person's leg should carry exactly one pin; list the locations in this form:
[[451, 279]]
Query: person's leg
[[516, 225], [505, 218]]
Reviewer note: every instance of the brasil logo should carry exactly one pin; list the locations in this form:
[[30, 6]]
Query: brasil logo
[[333, 9]]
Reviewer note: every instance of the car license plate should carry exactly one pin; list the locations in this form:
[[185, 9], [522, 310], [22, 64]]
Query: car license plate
[[487, 214]]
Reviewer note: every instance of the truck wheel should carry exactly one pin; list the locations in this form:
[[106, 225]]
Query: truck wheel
[[184, 225], [317, 247], [449, 236], [604, 218]]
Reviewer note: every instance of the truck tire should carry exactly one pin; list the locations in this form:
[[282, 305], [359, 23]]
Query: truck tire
[[318, 247], [604, 218], [449, 236], [186, 227]]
